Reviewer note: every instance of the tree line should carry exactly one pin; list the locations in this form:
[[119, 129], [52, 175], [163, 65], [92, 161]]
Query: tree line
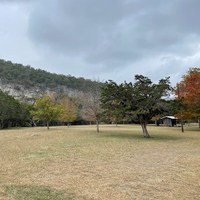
[[139, 102], [12, 112], [55, 109], [144, 100]]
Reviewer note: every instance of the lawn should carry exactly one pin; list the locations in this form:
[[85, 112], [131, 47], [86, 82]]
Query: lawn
[[116, 164]]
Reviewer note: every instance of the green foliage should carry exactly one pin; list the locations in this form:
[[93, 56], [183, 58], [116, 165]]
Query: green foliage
[[142, 99], [35, 193], [113, 99], [149, 97], [45, 109], [12, 112], [30, 77]]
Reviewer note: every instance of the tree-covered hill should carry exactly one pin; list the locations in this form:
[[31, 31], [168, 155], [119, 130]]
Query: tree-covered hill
[[22, 81], [30, 77]]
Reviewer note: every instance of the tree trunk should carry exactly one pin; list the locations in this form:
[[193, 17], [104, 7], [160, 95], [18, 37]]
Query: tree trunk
[[145, 131], [157, 122], [199, 122], [182, 127], [143, 124], [97, 124], [2, 124], [48, 125]]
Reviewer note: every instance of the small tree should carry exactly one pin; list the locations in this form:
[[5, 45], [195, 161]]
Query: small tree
[[46, 110], [91, 110], [69, 110]]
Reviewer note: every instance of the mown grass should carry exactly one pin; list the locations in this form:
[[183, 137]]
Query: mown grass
[[77, 163]]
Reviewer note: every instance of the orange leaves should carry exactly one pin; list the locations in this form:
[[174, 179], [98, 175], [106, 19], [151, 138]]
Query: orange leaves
[[186, 115], [69, 109], [193, 89], [189, 90]]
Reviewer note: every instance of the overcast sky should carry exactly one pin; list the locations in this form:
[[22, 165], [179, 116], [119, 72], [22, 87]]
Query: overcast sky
[[102, 39]]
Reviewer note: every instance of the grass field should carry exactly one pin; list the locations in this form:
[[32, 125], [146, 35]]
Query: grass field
[[117, 164]]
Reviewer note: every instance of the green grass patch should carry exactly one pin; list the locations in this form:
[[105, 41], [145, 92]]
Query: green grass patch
[[35, 193]]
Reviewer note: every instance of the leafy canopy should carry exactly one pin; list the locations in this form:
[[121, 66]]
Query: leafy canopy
[[188, 92], [191, 86], [45, 109], [11, 111], [69, 109], [143, 99]]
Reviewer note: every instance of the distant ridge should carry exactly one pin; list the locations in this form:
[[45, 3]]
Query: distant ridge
[[26, 82]]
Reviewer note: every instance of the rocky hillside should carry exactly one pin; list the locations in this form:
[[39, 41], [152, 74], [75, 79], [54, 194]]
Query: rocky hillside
[[27, 83]]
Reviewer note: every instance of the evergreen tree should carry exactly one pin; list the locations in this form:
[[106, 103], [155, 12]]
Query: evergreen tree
[[12, 112], [142, 99]]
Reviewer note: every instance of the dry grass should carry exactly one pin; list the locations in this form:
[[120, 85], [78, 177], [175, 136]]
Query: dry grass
[[78, 163]]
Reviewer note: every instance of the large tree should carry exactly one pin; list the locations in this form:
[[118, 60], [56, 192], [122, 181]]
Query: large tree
[[143, 99], [113, 99], [188, 91]]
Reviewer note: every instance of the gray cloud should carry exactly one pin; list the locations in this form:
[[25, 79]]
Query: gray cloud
[[120, 36], [115, 30], [15, 1]]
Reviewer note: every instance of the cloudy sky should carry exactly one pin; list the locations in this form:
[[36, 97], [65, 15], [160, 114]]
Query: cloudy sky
[[102, 39]]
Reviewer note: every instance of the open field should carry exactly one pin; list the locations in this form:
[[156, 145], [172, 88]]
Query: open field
[[77, 163]]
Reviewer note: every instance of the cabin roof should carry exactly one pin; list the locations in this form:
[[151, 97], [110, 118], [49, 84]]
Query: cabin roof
[[168, 117]]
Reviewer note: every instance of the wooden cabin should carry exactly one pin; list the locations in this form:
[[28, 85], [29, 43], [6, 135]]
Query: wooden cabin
[[169, 120]]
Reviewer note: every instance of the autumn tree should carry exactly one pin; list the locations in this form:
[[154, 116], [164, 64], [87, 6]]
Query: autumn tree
[[143, 99], [188, 90], [69, 109], [45, 109]]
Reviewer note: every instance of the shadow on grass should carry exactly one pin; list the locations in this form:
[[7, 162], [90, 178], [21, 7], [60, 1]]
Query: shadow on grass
[[138, 136], [24, 192], [195, 129], [168, 137], [122, 135]]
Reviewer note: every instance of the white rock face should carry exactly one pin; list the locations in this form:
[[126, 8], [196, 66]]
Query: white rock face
[[21, 93]]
